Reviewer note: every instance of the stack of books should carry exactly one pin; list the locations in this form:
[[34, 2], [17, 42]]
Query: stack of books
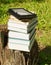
[[21, 26]]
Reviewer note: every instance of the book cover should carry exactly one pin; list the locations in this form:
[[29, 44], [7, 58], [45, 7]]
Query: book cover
[[21, 13]]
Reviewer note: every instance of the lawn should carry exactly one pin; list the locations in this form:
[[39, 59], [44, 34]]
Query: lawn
[[43, 34]]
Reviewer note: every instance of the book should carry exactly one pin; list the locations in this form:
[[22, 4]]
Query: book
[[21, 13], [20, 46], [16, 29], [14, 34], [21, 24], [20, 41], [16, 20]]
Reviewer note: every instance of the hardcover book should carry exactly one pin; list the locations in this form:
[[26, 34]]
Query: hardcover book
[[21, 25], [20, 41], [14, 34], [20, 46], [20, 29], [21, 13]]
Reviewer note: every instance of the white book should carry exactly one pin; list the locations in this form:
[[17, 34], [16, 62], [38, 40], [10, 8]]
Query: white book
[[20, 47], [13, 24], [19, 25], [20, 41], [25, 22], [17, 29], [14, 34], [21, 30], [16, 20]]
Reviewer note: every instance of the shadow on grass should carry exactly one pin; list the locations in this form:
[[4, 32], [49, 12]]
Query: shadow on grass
[[45, 56]]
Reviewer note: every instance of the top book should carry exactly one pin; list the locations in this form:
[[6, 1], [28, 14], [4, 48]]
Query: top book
[[21, 13]]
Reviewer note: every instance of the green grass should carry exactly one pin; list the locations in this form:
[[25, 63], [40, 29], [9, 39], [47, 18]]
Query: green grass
[[43, 10]]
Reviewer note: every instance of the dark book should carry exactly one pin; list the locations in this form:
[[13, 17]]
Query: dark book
[[22, 13]]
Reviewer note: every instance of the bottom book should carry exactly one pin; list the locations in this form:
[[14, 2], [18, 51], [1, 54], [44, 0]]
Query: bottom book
[[20, 47]]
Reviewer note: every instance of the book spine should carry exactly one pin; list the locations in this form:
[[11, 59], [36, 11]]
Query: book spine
[[32, 42], [32, 22], [31, 28], [32, 33]]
